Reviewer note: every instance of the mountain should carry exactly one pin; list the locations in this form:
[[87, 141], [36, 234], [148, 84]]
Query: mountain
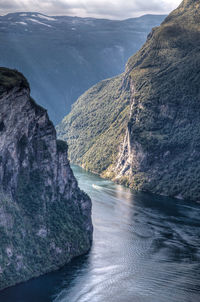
[[64, 56], [96, 125], [158, 149], [45, 219]]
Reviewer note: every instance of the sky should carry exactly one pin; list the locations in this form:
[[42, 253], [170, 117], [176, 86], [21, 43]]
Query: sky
[[112, 9]]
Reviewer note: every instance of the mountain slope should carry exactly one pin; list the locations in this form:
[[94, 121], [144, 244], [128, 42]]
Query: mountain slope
[[160, 150], [45, 219], [96, 124], [64, 56]]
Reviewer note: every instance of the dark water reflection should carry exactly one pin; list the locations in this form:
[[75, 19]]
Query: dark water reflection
[[146, 249]]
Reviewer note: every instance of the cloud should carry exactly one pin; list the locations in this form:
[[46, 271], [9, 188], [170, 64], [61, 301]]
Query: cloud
[[115, 9], [8, 4]]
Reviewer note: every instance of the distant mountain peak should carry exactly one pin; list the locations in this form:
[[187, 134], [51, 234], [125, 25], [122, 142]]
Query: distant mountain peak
[[63, 56]]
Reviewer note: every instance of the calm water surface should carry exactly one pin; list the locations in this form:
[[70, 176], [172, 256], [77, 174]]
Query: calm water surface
[[146, 249]]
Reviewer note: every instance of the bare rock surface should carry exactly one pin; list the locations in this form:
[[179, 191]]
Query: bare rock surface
[[45, 219]]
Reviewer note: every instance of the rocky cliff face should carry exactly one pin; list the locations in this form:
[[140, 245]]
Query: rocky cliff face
[[160, 147], [45, 219], [163, 131]]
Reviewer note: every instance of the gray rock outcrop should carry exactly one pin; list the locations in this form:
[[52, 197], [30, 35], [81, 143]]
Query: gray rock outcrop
[[45, 219]]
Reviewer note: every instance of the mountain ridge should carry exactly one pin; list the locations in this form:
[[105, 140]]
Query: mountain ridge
[[159, 150], [63, 56]]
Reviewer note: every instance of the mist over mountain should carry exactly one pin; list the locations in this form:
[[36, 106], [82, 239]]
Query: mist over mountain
[[63, 56]]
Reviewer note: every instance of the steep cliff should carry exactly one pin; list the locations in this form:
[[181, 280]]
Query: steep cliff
[[97, 124], [45, 219], [160, 151]]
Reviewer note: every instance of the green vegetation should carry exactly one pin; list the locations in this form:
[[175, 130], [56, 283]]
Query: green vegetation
[[30, 188], [164, 122], [10, 79], [92, 128], [61, 146], [23, 252], [165, 118]]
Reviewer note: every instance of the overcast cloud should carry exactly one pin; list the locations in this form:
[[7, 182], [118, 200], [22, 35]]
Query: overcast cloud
[[113, 9]]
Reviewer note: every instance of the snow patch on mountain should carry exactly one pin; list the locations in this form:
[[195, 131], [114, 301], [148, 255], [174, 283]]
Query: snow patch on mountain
[[46, 18], [38, 22], [22, 23]]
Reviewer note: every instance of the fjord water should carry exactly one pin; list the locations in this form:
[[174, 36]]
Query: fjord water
[[146, 249]]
